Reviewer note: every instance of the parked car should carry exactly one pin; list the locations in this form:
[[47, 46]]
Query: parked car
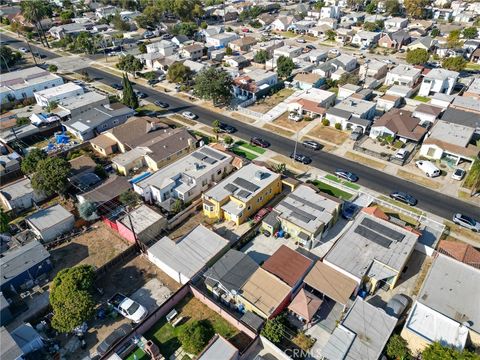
[[41, 56], [301, 41], [261, 214], [140, 95], [117, 86], [312, 145], [227, 128], [23, 50], [334, 51], [404, 198], [349, 210], [401, 154], [128, 308], [347, 175], [259, 142], [189, 115], [357, 133], [161, 104], [304, 159], [113, 338], [397, 305], [294, 116], [428, 168], [311, 47], [167, 36], [466, 222], [458, 174]]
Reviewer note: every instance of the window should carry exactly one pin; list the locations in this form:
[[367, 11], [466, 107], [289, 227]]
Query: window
[[431, 152], [208, 207]]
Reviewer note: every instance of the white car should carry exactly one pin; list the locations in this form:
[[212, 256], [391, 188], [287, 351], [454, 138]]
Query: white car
[[458, 174], [334, 51], [23, 50], [401, 154], [189, 115], [294, 116]]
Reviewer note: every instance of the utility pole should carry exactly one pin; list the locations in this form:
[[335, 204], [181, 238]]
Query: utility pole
[[295, 148]]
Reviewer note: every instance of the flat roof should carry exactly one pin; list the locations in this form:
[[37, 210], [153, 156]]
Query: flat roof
[[363, 333], [17, 189], [265, 291], [307, 209], [142, 218], [441, 74], [452, 133], [82, 100], [355, 106], [60, 89], [49, 217], [191, 253], [23, 78], [405, 70], [243, 184], [219, 348], [452, 288], [330, 282], [372, 239], [9, 349], [466, 118]]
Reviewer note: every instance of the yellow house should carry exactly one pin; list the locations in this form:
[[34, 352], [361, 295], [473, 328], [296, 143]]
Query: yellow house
[[242, 194]]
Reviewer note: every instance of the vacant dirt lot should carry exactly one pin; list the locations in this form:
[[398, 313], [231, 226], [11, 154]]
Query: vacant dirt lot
[[95, 247], [283, 121], [269, 102], [278, 130], [328, 134]]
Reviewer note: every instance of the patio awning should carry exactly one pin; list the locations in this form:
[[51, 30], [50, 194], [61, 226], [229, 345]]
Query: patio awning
[[305, 304]]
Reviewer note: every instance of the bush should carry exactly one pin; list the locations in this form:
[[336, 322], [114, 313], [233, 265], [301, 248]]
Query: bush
[[307, 118], [397, 348], [326, 122], [196, 335], [338, 126]]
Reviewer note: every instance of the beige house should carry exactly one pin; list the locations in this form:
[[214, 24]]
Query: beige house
[[243, 44]]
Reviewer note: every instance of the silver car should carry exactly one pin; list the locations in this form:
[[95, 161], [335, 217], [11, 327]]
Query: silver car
[[467, 222]]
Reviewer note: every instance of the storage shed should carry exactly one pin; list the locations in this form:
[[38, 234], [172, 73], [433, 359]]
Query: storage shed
[[51, 222]]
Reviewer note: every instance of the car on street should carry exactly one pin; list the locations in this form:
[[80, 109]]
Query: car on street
[[304, 159], [259, 142], [140, 95], [189, 115], [117, 334], [312, 145], [334, 51], [161, 104], [397, 305], [229, 129], [347, 175], [40, 56], [349, 210], [117, 86], [404, 198], [167, 36], [458, 174], [466, 222], [23, 50]]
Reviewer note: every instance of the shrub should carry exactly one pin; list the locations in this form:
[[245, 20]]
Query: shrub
[[338, 126], [196, 335], [326, 122], [307, 118]]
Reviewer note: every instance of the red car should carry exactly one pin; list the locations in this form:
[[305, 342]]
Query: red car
[[261, 214], [259, 142]]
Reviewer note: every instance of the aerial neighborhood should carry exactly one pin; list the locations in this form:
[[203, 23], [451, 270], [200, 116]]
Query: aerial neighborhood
[[236, 180]]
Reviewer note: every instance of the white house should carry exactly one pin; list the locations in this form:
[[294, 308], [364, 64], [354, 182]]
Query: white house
[[352, 112], [220, 40], [395, 24], [186, 178], [22, 84], [438, 81], [312, 102], [365, 39], [51, 222], [282, 23], [58, 93], [332, 12], [289, 51], [405, 75], [163, 47]]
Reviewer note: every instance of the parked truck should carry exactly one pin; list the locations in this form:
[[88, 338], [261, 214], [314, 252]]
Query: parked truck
[[128, 308]]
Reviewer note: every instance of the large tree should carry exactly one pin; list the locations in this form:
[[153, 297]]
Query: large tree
[[185, 28], [130, 64], [8, 57], [261, 56], [129, 97], [285, 66], [453, 39], [417, 56], [87, 211], [71, 297], [178, 73], [392, 7], [416, 8], [213, 84], [470, 33], [196, 335], [456, 63], [51, 176], [120, 24], [35, 11], [150, 17], [29, 163], [349, 78]]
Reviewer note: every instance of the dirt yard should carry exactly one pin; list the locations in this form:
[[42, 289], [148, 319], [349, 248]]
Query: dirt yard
[[329, 134], [189, 225], [419, 179], [365, 160], [264, 105], [278, 130], [95, 247], [283, 121]]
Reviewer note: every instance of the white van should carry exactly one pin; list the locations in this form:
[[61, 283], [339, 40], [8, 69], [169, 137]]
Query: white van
[[428, 168]]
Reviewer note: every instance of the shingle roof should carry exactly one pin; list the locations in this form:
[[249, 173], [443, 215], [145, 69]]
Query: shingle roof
[[402, 123], [288, 265], [305, 304], [460, 251]]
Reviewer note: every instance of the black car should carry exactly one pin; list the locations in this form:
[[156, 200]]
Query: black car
[[259, 142], [311, 47], [404, 198], [347, 175], [227, 128], [117, 86], [312, 144], [301, 158], [113, 338], [161, 104], [140, 95], [349, 210], [41, 56]]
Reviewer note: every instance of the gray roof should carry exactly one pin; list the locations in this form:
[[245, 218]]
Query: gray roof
[[368, 240], [441, 74], [231, 271], [362, 335], [271, 219], [355, 106], [16, 261], [9, 350], [307, 209], [17, 189], [191, 253], [142, 218], [49, 217], [467, 102], [461, 117], [339, 112], [109, 190], [24, 334], [252, 320], [219, 348], [452, 288]]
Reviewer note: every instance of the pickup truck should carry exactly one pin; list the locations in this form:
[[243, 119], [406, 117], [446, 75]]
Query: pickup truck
[[128, 308]]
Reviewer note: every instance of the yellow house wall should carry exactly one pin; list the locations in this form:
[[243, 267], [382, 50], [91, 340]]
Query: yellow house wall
[[250, 307]]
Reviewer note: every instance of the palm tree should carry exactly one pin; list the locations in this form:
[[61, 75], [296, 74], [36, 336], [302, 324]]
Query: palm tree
[[35, 11]]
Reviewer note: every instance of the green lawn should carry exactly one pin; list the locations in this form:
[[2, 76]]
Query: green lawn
[[248, 146], [343, 182], [332, 190], [421, 98], [243, 153], [333, 178], [140, 355], [401, 205], [351, 185]]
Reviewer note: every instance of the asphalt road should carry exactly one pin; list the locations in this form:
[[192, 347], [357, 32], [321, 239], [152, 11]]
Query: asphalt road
[[428, 200]]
